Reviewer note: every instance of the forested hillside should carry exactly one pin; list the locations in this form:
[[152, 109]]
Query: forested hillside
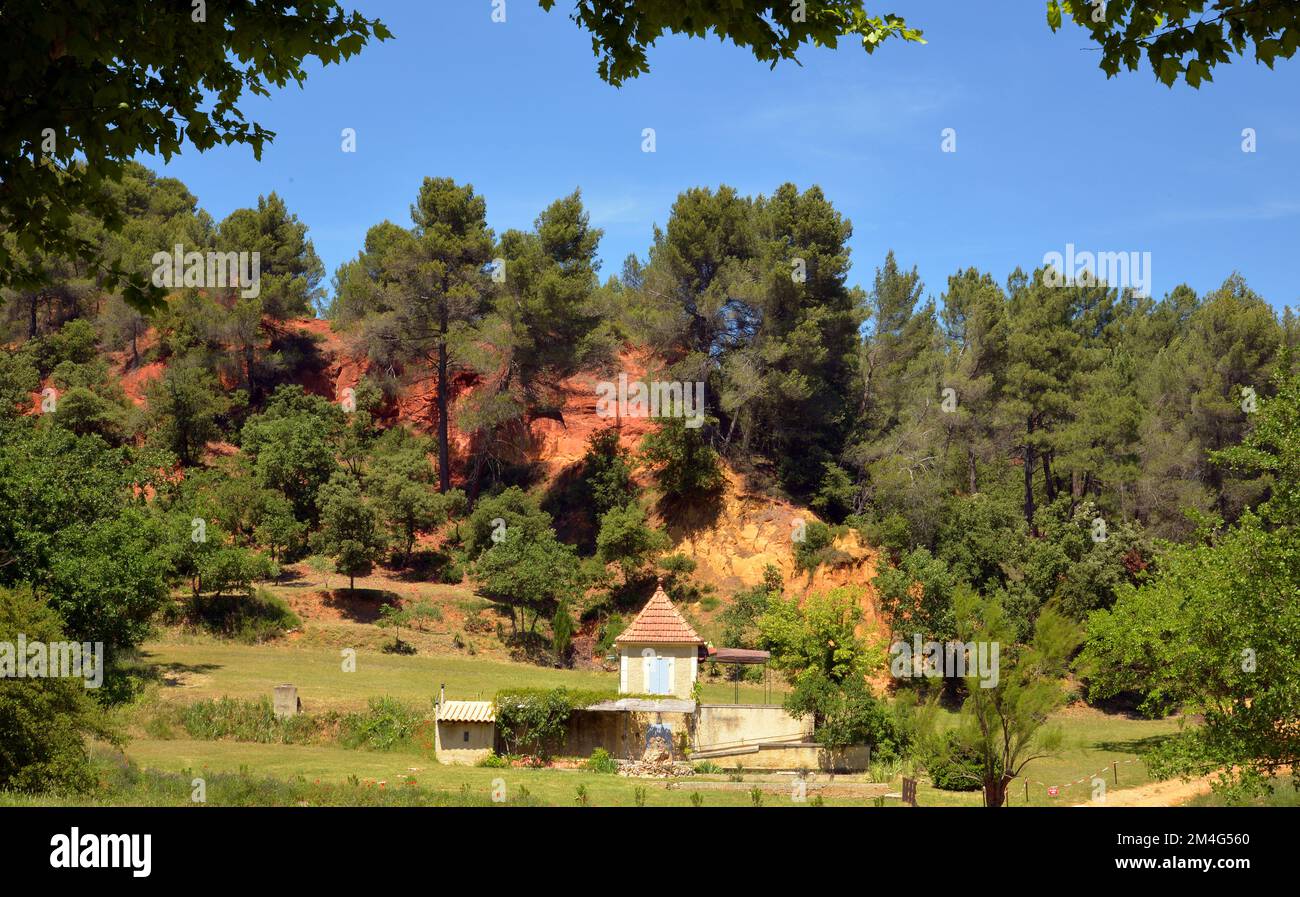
[[1037, 445]]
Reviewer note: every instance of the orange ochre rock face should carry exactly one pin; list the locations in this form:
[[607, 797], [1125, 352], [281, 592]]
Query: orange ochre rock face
[[731, 547]]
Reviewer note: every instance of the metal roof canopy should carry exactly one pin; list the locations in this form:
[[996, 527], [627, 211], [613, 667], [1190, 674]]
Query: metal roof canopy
[[739, 655]]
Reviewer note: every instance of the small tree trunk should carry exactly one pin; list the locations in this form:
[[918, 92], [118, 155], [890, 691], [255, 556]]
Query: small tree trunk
[[995, 792]]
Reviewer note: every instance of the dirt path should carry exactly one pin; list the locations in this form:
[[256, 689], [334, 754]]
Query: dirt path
[[1155, 794]]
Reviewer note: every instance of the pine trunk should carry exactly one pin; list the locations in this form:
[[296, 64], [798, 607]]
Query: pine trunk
[[444, 468]]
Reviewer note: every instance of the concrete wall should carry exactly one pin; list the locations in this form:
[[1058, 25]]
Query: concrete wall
[[621, 733], [452, 747], [632, 667], [799, 756], [730, 725]]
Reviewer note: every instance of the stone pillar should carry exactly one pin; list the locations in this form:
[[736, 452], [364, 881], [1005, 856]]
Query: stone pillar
[[286, 701]]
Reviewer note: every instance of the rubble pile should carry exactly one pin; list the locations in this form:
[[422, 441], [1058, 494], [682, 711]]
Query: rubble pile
[[656, 762]]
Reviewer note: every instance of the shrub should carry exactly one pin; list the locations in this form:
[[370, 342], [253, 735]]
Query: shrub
[[611, 629], [688, 465], [493, 760], [385, 725], [958, 768], [532, 721], [601, 761], [44, 721], [476, 622], [816, 547], [249, 619]]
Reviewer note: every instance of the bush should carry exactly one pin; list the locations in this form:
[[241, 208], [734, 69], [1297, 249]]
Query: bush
[[493, 760], [386, 724], [611, 629], [532, 721], [688, 465], [958, 768], [479, 624], [44, 721], [249, 619], [816, 547], [601, 761]]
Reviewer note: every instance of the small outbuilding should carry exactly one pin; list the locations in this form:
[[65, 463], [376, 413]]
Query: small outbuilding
[[658, 654], [465, 731]]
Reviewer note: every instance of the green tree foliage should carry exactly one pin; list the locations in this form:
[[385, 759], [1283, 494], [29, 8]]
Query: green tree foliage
[[494, 515], [771, 31], [1004, 722], [107, 51], [804, 353], [18, 380], [917, 596], [816, 646], [562, 630], [607, 473], [1216, 629], [73, 525], [543, 308], [289, 270], [400, 480], [627, 540], [184, 405], [46, 720], [529, 570], [688, 467], [290, 447], [435, 290], [350, 529], [740, 617], [1180, 39], [1176, 38]]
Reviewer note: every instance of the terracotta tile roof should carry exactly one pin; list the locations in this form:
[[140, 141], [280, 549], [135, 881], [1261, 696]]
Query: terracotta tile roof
[[659, 622]]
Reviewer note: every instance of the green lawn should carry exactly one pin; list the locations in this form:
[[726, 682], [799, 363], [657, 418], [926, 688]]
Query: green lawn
[[334, 765], [199, 668]]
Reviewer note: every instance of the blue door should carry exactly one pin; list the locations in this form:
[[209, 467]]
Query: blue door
[[661, 682]]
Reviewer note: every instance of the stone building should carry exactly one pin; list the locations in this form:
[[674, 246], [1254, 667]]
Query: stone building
[[659, 653]]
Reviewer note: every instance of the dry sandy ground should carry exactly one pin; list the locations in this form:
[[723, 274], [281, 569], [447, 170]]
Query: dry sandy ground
[[1155, 794]]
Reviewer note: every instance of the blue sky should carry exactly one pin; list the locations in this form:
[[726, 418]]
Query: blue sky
[[1049, 151]]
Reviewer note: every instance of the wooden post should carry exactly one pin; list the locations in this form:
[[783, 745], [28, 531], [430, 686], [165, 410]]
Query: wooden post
[[1026, 792], [1114, 765]]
